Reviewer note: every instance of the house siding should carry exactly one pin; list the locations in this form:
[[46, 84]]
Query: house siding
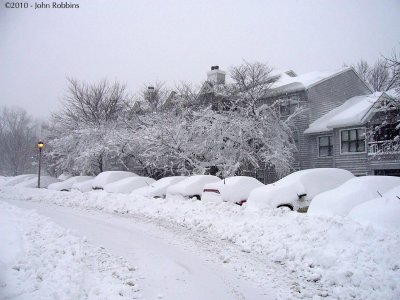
[[356, 163], [333, 92], [317, 161]]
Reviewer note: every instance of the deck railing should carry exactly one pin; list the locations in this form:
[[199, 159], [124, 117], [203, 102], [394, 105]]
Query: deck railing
[[383, 147]]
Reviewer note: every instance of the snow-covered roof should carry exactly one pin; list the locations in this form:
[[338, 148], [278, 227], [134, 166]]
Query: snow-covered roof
[[305, 81], [353, 112]]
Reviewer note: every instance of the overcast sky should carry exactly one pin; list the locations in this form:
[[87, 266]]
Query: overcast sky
[[171, 41]]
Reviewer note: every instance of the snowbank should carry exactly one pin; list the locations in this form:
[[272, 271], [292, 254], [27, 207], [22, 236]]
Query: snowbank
[[191, 186], [127, 185], [40, 260], [233, 189], [322, 258], [45, 181], [297, 189], [158, 188], [18, 179], [383, 212], [4, 180], [68, 183], [110, 176], [342, 199]]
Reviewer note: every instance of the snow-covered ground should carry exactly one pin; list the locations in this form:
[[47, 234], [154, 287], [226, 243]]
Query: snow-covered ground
[[41, 260], [295, 255]]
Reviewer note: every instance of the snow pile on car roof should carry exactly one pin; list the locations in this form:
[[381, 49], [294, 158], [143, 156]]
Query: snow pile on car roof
[[85, 186], [127, 185], [381, 212], [192, 185], [234, 189], [306, 183], [68, 183], [110, 176], [158, 188], [341, 200]]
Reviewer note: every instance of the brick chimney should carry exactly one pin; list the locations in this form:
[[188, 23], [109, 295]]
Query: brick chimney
[[216, 76]]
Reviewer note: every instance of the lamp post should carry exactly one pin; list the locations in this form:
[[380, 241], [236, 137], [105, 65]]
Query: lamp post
[[40, 145]]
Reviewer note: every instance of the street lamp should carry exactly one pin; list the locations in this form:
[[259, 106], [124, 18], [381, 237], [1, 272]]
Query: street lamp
[[40, 145]]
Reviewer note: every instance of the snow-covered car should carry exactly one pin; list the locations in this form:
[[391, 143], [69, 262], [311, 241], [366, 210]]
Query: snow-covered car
[[64, 176], [158, 189], [45, 181], [127, 185], [233, 189], [107, 177], [192, 186], [83, 187], [382, 212], [18, 179], [66, 185], [341, 200], [296, 190]]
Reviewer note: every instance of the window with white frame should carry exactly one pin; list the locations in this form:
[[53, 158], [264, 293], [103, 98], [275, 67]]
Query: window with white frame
[[325, 146], [353, 140]]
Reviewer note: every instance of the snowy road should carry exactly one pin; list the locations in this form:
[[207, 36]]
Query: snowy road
[[173, 262]]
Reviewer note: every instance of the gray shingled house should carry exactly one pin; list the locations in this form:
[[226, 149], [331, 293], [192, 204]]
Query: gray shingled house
[[339, 107]]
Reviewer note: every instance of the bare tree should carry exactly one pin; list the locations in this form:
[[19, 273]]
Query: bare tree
[[92, 104], [78, 134], [383, 75], [18, 139]]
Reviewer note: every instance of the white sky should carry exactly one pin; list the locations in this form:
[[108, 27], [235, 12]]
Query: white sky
[[171, 41]]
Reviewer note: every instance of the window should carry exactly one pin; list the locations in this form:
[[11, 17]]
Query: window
[[352, 140], [288, 107], [325, 146]]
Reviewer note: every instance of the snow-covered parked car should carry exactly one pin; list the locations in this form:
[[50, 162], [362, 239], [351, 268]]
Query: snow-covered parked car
[[83, 187], [296, 190], [45, 181], [128, 185], [158, 189], [64, 176], [67, 184], [107, 177], [19, 178], [341, 200], [192, 186], [381, 212], [233, 189]]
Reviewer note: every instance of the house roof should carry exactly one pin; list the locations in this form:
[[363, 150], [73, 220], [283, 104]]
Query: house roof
[[355, 111], [305, 81]]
